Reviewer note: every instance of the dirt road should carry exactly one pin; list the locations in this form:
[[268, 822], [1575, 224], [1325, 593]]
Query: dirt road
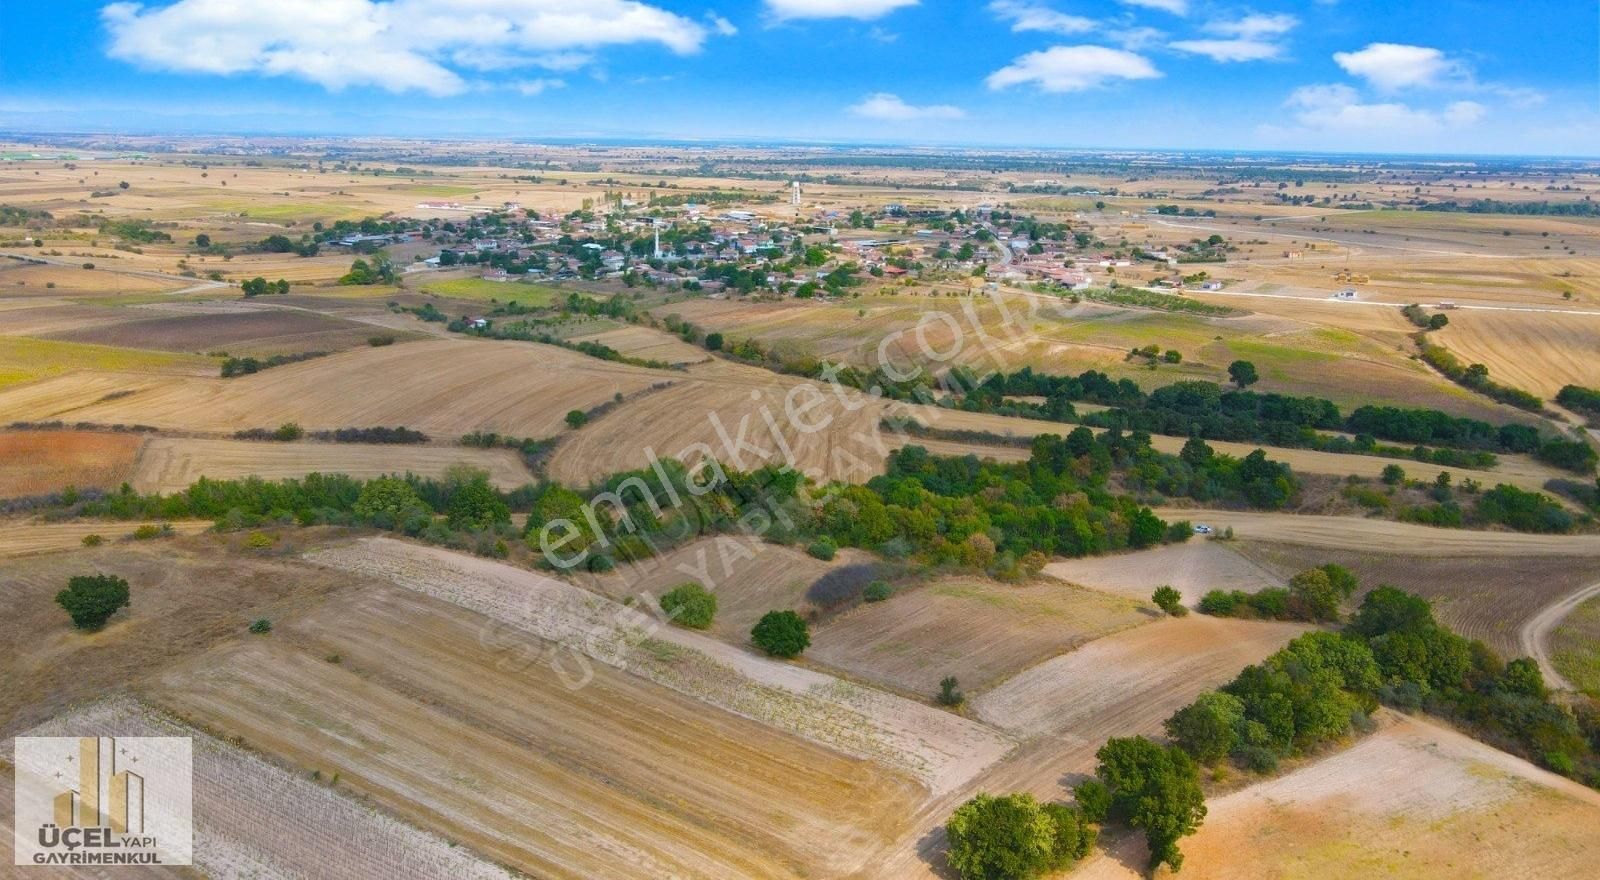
[[1535, 634]]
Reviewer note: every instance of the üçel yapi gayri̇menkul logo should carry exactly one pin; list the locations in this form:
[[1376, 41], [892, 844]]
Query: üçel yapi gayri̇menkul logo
[[102, 800]]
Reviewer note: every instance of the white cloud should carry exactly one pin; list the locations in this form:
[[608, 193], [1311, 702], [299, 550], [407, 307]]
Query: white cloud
[[1391, 67], [1255, 27], [402, 45], [1073, 69], [532, 87], [1029, 16], [1135, 38], [1339, 108], [1230, 50], [721, 25], [1252, 38], [1176, 7], [863, 10], [891, 108]]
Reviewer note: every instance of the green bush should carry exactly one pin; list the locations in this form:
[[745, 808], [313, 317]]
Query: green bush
[[690, 605], [823, 549], [781, 634], [93, 540], [1169, 600], [877, 591], [950, 692], [91, 599], [1014, 836], [261, 626], [577, 418]]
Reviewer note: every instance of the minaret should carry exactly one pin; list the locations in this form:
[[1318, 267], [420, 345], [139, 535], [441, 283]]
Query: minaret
[[794, 196], [656, 225]]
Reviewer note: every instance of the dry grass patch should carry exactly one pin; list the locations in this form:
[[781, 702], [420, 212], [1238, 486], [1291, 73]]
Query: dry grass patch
[[188, 593], [977, 630], [1412, 801], [1575, 648], [23, 359], [175, 464], [40, 462]]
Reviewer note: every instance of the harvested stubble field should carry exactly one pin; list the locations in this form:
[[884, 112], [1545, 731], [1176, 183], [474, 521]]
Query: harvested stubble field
[[1192, 568], [445, 388], [254, 818], [643, 342], [512, 746], [45, 315], [188, 593], [23, 359], [1383, 536], [170, 464], [749, 576], [1123, 685], [980, 631], [40, 462], [30, 538], [1480, 595], [1414, 800], [938, 749], [244, 331], [1103, 685], [1535, 351], [739, 415], [32, 279]]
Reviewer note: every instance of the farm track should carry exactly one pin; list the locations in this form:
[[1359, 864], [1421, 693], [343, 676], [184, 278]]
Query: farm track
[[1535, 633]]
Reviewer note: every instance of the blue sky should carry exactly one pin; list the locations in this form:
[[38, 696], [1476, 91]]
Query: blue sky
[[1350, 75]]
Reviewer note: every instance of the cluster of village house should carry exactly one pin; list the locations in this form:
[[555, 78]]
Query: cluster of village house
[[748, 238]]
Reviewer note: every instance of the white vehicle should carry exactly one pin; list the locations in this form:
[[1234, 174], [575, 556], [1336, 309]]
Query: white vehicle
[[1202, 529]]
